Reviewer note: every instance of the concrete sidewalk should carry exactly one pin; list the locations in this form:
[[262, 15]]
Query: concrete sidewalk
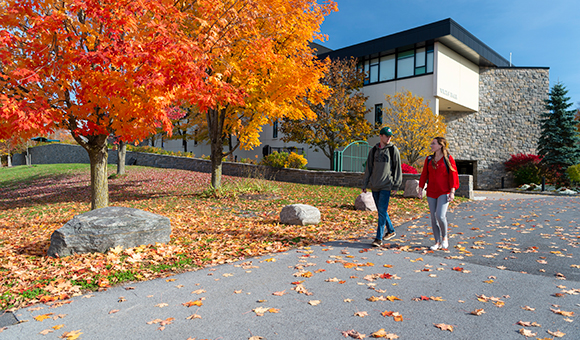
[[515, 258]]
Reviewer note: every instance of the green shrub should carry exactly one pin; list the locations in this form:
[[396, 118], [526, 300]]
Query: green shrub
[[574, 173], [527, 174], [284, 160], [159, 151]]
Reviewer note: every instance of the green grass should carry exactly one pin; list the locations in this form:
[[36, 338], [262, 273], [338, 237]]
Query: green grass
[[26, 174]]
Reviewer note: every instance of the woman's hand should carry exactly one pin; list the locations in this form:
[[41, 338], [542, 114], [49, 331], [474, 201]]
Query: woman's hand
[[420, 193], [451, 196]]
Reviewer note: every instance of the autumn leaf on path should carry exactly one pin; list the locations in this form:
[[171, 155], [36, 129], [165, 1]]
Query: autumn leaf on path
[[72, 335], [193, 303], [528, 324], [557, 334], [444, 327], [528, 308], [382, 334], [113, 311], [527, 333], [193, 316], [280, 293], [57, 327], [478, 312], [255, 337], [260, 311], [43, 317], [314, 302], [557, 311], [44, 332], [353, 334], [161, 305], [361, 314]]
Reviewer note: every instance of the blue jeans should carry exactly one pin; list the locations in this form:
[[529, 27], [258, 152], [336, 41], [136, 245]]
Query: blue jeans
[[382, 202]]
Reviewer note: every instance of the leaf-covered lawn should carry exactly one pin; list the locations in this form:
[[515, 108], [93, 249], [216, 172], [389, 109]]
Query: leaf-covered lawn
[[35, 201]]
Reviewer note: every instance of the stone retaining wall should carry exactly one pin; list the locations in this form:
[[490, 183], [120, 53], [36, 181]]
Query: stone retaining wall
[[66, 153]]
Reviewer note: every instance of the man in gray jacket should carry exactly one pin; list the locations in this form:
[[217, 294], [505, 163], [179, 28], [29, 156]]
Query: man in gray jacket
[[383, 174]]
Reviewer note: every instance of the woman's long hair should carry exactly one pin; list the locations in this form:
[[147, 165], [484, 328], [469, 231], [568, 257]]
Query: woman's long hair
[[445, 149]]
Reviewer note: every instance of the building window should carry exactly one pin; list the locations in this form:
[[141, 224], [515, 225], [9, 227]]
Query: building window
[[405, 64], [430, 59], [387, 67], [275, 129], [410, 62], [420, 61], [374, 70], [379, 114]]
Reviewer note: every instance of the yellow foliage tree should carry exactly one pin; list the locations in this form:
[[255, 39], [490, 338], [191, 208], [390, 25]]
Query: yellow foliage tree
[[413, 123]]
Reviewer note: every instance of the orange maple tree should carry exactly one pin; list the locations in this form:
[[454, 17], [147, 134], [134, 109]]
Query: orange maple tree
[[261, 50], [96, 68]]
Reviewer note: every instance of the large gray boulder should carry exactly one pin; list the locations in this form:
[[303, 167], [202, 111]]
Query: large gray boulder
[[365, 202], [412, 188], [300, 214], [101, 229]]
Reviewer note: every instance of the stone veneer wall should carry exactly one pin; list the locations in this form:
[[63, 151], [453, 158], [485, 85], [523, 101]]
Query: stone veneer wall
[[510, 103], [65, 153]]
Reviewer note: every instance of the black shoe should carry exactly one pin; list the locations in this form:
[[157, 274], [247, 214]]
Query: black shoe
[[377, 243], [389, 236]]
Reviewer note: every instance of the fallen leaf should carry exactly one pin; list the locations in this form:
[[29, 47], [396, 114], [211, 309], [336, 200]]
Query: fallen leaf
[[72, 335], [43, 317], [199, 291], [314, 302], [193, 316], [478, 312], [113, 311], [444, 327], [192, 303], [46, 331], [353, 334], [361, 314], [57, 327], [527, 333], [280, 293], [348, 300], [260, 310], [557, 334], [528, 308], [557, 311], [161, 305]]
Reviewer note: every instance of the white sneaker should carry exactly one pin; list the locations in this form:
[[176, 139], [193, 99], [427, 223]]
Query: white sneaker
[[445, 244], [435, 246]]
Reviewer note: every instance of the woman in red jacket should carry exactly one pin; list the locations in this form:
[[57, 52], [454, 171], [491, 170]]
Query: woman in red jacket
[[440, 175]]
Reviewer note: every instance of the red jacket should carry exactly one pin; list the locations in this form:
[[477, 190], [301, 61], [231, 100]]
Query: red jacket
[[439, 181]]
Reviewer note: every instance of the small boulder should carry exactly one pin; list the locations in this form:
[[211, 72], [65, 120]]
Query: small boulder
[[412, 188], [300, 214], [101, 229], [365, 201]]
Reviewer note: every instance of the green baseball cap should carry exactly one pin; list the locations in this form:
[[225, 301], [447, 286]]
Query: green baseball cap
[[386, 131]]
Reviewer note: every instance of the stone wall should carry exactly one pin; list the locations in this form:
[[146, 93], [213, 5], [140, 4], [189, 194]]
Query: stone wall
[[510, 103], [65, 153]]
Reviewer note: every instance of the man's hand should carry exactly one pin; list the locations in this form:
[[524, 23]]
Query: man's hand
[[450, 197], [420, 193]]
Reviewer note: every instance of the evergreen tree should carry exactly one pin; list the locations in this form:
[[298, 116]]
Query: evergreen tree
[[559, 142]]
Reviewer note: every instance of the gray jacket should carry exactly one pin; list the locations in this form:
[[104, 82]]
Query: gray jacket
[[378, 174]]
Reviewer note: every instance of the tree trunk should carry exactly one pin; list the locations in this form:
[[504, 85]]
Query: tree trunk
[[215, 125], [97, 149], [184, 142], [121, 155]]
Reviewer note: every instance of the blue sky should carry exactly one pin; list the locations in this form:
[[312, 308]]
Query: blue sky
[[537, 33]]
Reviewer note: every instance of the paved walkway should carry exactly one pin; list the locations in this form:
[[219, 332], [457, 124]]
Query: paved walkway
[[512, 258]]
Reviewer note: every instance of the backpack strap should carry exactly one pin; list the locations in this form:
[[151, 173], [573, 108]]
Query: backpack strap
[[392, 154], [431, 157]]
